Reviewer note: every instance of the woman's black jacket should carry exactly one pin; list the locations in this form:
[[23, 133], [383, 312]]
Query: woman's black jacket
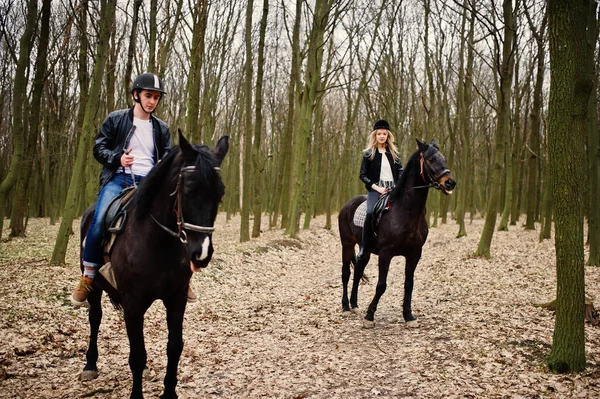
[[114, 135], [370, 169]]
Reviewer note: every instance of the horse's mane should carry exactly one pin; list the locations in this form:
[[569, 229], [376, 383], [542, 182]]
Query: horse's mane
[[166, 172]]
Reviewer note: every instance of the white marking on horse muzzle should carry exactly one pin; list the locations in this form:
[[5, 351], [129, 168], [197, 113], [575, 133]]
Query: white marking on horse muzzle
[[205, 246]]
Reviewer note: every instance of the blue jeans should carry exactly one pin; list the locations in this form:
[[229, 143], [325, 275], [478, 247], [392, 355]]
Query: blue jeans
[[93, 252]]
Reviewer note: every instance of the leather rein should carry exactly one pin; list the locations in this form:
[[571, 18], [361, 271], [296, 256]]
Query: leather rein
[[182, 226]]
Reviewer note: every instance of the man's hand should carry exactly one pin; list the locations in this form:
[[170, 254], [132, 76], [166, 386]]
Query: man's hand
[[126, 159]]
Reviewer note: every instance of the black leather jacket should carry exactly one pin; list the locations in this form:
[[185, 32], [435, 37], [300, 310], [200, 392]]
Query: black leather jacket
[[370, 169], [113, 137]]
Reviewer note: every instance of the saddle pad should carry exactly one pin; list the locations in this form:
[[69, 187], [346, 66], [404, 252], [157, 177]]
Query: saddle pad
[[360, 214]]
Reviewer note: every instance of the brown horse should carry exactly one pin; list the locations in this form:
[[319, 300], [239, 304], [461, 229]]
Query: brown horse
[[167, 237], [402, 229]]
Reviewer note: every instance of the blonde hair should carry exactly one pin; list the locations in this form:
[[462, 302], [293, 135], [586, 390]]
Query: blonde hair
[[372, 144]]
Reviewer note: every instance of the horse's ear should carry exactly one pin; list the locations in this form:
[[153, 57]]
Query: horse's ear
[[422, 146], [221, 149], [189, 154]]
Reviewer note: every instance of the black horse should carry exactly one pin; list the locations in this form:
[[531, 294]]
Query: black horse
[[402, 229], [157, 251]]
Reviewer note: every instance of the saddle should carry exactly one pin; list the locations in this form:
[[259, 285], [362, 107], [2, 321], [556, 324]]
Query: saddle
[[382, 205], [112, 224], [116, 214]]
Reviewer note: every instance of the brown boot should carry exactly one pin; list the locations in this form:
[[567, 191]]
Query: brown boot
[[82, 291], [191, 297]]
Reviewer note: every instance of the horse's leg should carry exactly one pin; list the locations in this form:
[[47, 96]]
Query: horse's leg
[[134, 321], [359, 270], [348, 257], [411, 266], [90, 371], [175, 310], [384, 267]]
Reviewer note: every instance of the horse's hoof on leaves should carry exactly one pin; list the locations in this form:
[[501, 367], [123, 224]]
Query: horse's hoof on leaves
[[355, 310], [88, 375], [412, 324], [368, 324]]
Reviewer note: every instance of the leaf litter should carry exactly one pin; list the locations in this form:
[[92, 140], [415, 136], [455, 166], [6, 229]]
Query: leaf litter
[[268, 322]]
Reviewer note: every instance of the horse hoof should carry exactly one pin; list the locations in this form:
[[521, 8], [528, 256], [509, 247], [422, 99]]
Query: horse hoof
[[88, 375], [412, 324], [368, 324], [355, 310]]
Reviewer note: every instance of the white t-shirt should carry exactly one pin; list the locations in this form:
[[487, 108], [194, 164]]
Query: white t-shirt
[[142, 147], [386, 170]]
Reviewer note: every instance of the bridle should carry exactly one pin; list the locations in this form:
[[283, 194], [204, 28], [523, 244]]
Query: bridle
[[182, 226], [428, 176]]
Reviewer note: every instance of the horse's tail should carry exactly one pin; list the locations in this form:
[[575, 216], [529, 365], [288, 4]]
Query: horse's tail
[[364, 278], [116, 303]]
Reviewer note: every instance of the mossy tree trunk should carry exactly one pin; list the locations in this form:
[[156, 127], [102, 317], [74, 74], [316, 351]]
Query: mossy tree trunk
[[247, 131], [20, 204], [87, 133], [505, 73], [284, 166], [312, 80], [19, 105], [257, 157]]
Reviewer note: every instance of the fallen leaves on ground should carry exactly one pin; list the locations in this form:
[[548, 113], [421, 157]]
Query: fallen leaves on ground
[[268, 323]]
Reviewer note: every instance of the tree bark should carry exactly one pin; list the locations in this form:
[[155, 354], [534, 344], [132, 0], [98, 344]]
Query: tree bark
[[19, 101], [87, 132], [312, 79], [34, 117], [131, 52], [257, 160], [247, 136], [505, 72], [284, 169], [194, 79], [593, 148], [570, 87]]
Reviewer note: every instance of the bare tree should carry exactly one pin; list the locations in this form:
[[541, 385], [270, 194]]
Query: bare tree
[[87, 132], [19, 100]]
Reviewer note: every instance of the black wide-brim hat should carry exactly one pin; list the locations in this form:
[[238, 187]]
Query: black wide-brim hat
[[381, 124]]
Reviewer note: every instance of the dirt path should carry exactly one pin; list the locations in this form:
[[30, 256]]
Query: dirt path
[[268, 323]]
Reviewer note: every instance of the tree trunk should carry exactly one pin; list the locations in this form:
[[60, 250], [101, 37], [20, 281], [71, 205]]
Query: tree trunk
[[152, 65], [312, 79], [87, 132], [20, 204], [194, 79], [131, 52], [593, 149], [464, 114], [502, 126], [257, 161], [284, 169], [570, 87], [19, 100], [247, 158], [534, 135]]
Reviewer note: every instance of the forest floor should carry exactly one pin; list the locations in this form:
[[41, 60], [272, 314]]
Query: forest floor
[[268, 323]]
